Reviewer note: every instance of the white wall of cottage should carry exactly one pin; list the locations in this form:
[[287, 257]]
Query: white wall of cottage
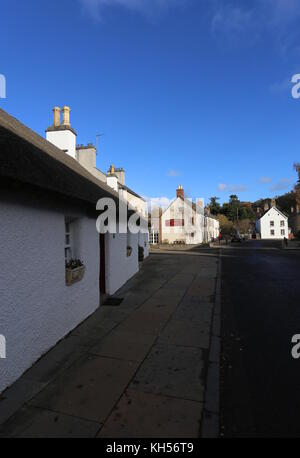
[[37, 308], [279, 225], [120, 267]]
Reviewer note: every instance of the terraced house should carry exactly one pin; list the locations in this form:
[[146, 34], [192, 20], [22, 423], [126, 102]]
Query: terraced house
[[55, 264]]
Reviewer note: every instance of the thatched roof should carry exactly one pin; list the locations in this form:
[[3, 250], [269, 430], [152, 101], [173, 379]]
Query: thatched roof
[[28, 158]]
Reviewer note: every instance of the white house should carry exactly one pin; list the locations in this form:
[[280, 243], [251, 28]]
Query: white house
[[273, 225], [47, 215], [185, 221], [64, 136]]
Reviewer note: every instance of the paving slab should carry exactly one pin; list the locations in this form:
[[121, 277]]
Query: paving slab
[[92, 332], [194, 310], [127, 345], [186, 333], [15, 397], [145, 415], [145, 321], [161, 304], [202, 287], [31, 423], [180, 282], [49, 366], [172, 371], [208, 272], [133, 300], [89, 389]]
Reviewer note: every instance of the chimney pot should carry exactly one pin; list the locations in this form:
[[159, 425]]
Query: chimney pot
[[66, 116], [180, 192], [56, 116]]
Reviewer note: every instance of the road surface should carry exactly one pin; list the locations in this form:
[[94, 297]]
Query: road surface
[[260, 383]]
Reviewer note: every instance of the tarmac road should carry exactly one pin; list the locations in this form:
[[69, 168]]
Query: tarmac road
[[260, 383]]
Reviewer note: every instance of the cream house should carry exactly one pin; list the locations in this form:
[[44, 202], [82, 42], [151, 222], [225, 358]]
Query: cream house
[[186, 222]]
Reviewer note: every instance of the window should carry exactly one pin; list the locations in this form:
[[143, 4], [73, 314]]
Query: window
[[282, 223], [282, 232], [68, 249], [272, 232], [153, 238], [272, 224], [174, 223]]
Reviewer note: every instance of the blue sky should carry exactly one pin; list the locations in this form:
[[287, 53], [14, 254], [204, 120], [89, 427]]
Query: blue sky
[[191, 92]]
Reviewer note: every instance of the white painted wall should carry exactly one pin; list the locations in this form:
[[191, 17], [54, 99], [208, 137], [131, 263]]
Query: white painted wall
[[213, 228], [119, 267], [113, 182], [63, 139], [138, 204], [264, 225], [37, 308], [144, 243]]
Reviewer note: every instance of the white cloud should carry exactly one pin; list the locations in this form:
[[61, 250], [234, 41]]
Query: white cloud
[[150, 8], [281, 86], [265, 180], [231, 18], [253, 20], [282, 185], [222, 187], [174, 173], [232, 188]]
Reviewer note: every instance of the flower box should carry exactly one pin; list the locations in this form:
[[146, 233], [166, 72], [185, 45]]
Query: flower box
[[74, 275]]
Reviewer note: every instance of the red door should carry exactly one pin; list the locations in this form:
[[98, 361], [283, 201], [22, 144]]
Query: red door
[[102, 264]]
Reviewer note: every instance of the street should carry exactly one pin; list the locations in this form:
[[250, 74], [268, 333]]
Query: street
[[260, 392]]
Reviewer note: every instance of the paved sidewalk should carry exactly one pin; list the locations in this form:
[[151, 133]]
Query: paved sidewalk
[[136, 370]]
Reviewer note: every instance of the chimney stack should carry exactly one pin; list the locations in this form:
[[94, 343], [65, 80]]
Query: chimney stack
[[180, 192], [62, 135], [111, 170], [56, 116], [66, 116]]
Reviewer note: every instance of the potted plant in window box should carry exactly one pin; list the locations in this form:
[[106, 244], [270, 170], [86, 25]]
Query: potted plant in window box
[[75, 270]]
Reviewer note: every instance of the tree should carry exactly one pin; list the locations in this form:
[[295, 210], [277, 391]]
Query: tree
[[244, 226], [233, 199], [226, 226], [233, 208], [215, 207], [286, 202]]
